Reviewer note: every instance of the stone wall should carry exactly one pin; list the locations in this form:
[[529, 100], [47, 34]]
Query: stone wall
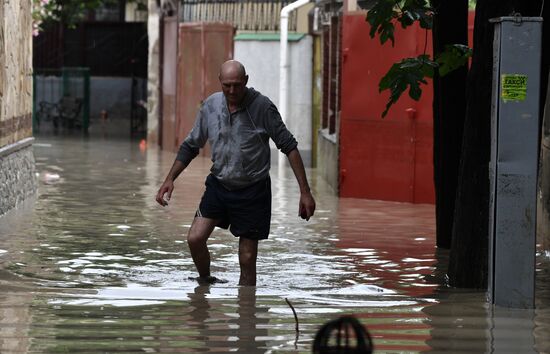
[[17, 180], [153, 80]]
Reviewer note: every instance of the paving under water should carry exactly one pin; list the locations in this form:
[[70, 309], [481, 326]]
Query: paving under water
[[94, 265]]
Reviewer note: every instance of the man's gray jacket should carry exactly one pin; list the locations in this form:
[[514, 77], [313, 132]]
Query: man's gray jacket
[[240, 141]]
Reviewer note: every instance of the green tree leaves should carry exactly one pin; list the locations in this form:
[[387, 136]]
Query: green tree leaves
[[385, 13], [411, 73], [453, 57], [416, 10], [70, 12], [408, 73], [380, 19]]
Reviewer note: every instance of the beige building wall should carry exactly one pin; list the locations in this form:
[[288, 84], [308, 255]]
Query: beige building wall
[[302, 18], [15, 71], [153, 80], [17, 180]]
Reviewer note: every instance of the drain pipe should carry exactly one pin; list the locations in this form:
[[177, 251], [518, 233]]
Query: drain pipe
[[284, 68]]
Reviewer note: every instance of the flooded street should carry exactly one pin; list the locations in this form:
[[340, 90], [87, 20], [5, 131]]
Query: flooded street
[[94, 265]]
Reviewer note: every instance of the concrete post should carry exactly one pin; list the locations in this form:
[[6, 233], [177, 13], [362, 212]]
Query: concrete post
[[514, 158]]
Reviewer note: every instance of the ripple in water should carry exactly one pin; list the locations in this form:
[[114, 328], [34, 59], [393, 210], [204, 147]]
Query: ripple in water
[[94, 265]]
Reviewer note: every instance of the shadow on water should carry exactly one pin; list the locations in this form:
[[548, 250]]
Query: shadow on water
[[195, 324], [242, 329], [94, 265]]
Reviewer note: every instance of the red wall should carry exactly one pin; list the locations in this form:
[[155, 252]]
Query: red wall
[[383, 158], [387, 158]]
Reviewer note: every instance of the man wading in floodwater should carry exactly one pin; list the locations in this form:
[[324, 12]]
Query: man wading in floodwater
[[237, 123]]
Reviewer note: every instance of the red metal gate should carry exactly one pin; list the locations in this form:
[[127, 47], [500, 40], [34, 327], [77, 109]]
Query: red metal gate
[[203, 47], [192, 55], [390, 158]]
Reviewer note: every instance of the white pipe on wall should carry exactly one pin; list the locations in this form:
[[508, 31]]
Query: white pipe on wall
[[284, 68]]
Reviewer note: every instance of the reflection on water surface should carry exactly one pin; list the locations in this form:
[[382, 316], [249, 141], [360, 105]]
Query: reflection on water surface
[[94, 265]]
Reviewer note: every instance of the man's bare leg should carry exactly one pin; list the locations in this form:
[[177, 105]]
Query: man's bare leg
[[200, 231], [248, 252]]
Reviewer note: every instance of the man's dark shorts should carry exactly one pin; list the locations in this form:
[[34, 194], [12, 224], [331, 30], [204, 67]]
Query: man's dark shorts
[[246, 212]]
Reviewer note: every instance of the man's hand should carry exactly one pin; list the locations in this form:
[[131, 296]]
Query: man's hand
[[307, 205], [165, 190]]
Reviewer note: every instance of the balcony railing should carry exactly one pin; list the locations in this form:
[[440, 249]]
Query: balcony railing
[[245, 15]]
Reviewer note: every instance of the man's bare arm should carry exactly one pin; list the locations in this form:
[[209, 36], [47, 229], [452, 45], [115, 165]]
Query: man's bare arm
[[307, 203], [168, 186]]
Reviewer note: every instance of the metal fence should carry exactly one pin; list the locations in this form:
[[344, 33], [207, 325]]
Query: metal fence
[[244, 15], [61, 97]]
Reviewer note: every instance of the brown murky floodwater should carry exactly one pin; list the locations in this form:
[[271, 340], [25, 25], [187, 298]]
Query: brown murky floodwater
[[94, 265]]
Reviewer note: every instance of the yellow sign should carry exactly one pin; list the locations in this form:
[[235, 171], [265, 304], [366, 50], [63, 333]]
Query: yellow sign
[[513, 87]]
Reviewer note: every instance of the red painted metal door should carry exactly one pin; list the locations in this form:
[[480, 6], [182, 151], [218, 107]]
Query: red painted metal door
[[383, 158], [203, 47]]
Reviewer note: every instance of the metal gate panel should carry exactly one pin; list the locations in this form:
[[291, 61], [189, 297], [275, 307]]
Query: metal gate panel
[[203, 47], [189, 77], [390, 158], [376, 160], [218, 46]]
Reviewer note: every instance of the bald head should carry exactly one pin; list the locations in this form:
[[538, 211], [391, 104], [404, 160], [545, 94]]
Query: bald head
[[233, 79], [232, 68]]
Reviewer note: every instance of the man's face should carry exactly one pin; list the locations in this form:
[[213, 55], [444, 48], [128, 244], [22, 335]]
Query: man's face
[[233, 87]]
